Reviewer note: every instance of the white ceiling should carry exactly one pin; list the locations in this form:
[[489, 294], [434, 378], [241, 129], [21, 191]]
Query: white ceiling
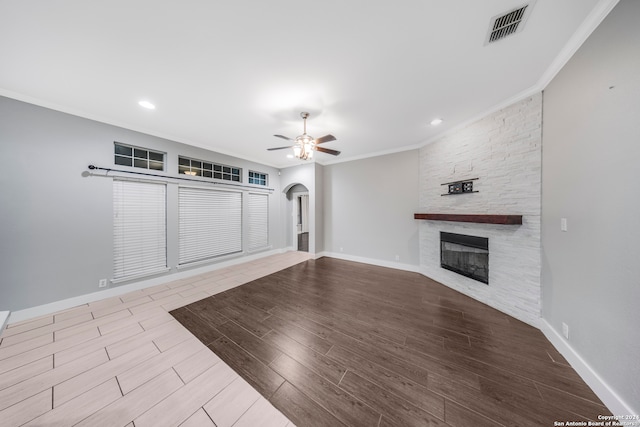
[[227, 75]]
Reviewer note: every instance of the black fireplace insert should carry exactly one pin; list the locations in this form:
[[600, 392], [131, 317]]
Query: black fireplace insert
[[465, 255]]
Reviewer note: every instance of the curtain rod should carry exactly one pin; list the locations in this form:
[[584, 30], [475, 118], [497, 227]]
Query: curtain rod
[[93, 167]]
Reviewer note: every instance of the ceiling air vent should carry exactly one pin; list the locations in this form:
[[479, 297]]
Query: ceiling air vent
[[508, 23]]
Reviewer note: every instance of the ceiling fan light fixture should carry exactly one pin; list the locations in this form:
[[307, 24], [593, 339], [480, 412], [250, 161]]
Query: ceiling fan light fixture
[[304, 145], [303, 149]]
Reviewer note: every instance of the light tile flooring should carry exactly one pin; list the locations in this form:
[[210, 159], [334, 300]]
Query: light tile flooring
[[125, 361]]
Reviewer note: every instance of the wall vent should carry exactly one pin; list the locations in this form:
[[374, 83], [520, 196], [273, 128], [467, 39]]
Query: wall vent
[[508, 23]]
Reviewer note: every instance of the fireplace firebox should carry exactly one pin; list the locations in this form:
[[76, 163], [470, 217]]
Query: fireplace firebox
[[465, 255]]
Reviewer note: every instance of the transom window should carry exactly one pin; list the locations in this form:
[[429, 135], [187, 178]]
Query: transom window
[[127, 155], [257, 178], [194, 167]]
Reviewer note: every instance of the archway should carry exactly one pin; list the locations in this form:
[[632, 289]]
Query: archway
[[298, 197]]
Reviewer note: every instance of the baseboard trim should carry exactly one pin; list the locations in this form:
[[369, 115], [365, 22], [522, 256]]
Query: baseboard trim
[[41, 310], [4, 316], [610, 398], [371, 261]]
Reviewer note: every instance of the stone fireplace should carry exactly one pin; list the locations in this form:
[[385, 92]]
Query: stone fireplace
[[502, 154]]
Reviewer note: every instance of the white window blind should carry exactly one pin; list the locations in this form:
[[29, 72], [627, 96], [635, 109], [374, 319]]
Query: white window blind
[[210, 223], [139, 229], [258, 221]]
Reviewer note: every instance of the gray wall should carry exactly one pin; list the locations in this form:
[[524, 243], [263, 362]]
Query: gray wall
[[56, 226], [591, 167], [317, 204], [369, 206]]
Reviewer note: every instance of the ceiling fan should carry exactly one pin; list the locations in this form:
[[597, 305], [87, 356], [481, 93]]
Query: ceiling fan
[[304, 145]]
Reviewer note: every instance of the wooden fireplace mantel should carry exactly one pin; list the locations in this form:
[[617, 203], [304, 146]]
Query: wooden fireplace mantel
[[483, 218]]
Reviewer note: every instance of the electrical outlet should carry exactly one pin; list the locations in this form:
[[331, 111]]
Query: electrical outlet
[[565, 330], [341, 249], [563, 224], [397, 257], [102, 283]]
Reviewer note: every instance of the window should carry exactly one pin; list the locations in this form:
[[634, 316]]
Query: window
[[258, 221], [194, 167], [210, 223], [139, 229], [257, 178], [126, 155]]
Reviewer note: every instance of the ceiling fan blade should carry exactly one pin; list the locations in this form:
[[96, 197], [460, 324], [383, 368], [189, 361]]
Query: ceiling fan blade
[[327, 150], [325, 138], [279, 148], [283, 137]]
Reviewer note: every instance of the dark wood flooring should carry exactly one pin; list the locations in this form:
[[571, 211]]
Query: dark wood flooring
[[332, 343]]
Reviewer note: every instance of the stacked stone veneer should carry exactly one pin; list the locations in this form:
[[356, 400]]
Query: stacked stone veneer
[[503, 150]]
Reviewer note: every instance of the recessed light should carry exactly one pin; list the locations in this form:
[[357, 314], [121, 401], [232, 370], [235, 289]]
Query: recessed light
[[289, 156], [436, 122], [147, 105]]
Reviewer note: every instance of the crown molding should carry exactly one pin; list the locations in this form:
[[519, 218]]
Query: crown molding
[[593, 20]]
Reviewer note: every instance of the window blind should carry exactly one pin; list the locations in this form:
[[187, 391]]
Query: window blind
[[258, 221], [139, 229], [210, 223]]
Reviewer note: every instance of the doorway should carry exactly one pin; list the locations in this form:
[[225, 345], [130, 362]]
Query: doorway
[[298, 196], [301, 216], [299, 224]]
